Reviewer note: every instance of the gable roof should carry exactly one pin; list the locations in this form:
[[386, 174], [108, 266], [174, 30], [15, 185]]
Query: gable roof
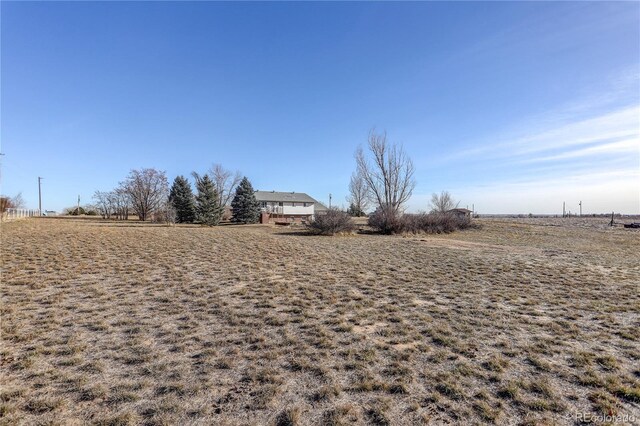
[[290, 197], [320, 207]]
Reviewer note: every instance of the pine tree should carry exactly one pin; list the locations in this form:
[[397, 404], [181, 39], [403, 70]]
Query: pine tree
[[245, 206], [355, 210], [208, 211], [182, 200]]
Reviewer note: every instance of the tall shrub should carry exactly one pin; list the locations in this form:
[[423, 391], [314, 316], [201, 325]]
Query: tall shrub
[[386, 220], [332, 222]]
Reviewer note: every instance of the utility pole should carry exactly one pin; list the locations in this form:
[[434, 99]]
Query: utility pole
[[329, 200], [1, 155], [78, 210], [39, 197], [580, 204], [563, 210]]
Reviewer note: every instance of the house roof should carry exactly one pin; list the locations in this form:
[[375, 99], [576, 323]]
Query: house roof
[[320, 207], [291, 197], [460, 210]]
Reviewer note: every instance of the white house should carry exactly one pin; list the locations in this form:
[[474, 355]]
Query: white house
[[287, 206]]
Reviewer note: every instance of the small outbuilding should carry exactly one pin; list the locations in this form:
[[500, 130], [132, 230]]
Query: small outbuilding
[[461, 213]]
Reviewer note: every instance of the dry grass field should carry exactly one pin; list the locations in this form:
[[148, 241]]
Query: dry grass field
[[514, 323]]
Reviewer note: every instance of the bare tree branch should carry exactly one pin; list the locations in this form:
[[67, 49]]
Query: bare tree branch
[[225, 183], [103, 203], [122, 203], [388, 175], [148, 190], [442, 203], [16, 202], [358, 198]]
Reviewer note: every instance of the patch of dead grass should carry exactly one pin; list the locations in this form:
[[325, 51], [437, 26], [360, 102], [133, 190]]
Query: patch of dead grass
[[132, 323]]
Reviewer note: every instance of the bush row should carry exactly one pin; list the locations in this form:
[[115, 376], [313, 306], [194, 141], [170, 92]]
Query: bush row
[[387, 221]]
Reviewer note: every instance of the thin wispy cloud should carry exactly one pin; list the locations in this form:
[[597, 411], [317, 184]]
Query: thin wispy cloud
[[603, 116], [621, 123], [589, 147], [625, 146]]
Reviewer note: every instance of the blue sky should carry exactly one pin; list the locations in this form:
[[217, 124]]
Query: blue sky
[[513, 107]]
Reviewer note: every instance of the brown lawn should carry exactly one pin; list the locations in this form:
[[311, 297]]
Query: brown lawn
[[123, 323]]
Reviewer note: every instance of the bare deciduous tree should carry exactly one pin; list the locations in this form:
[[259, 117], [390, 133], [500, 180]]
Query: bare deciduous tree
[[148, 190], [166, 214], [389, 175], [113, 203], [443, 202], [103, 203], [18, 202], [358, 198], [121, 202], [225, 182]]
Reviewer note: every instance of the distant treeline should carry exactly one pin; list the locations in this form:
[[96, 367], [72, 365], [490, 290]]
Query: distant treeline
[[146, 194]]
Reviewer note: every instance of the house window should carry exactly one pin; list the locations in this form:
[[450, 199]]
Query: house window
[[280, 204], [293, 204], [304, 205], [263, 204]]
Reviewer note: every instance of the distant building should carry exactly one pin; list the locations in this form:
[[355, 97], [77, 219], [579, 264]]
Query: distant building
[[287, 206], [463, 213]]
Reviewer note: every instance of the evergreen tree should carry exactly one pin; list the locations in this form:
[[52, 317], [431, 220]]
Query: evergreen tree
[[208, 210], [355, 210], [245, 207], [182, 200]]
